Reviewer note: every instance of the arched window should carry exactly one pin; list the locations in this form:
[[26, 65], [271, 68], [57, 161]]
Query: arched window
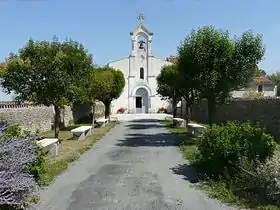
[[141, 73]]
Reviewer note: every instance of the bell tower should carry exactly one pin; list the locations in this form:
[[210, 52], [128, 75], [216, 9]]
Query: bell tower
[[141, 40], [140, 59]]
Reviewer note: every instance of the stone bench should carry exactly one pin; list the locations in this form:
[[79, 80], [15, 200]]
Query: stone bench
[[114, 119], [195, 129], [179, 123], [81, 133], [50, 145], [169, 118], [101, 122]]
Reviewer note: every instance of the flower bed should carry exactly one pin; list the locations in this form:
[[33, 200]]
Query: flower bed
[[162, 110], [121, 110]]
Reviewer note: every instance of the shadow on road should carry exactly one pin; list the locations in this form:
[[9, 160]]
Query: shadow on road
[[187, 171], [144, 124], [144, 120], [146, 140]]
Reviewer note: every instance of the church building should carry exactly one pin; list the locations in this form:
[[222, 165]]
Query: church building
[[140, 70]]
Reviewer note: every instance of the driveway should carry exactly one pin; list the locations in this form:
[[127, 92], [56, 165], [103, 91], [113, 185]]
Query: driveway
[[135, 167]]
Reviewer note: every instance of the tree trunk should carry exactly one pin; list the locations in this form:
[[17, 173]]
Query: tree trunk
[[93, 113], [187, 118], [211, 110], [107, 108], [174, 107], [56, 121]]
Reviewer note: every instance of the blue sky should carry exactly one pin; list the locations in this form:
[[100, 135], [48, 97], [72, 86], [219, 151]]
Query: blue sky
[[103, 26]]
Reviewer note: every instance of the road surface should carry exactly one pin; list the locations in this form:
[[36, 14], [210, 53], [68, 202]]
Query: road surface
[[135, 167]]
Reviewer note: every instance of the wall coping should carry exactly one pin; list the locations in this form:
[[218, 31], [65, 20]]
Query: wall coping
[[253, 99], [16, 104]]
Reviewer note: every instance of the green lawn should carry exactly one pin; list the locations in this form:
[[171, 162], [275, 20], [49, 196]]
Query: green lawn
[[214, 189], [69, 150], [186, 143]]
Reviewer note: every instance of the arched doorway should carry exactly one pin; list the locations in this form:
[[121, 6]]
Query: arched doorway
[[141, 100]]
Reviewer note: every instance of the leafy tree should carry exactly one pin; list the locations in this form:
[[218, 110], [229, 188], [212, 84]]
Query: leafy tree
[[216, 64], [259, 72], [168, 85], [107, 84], [276, 79], [48, 73]]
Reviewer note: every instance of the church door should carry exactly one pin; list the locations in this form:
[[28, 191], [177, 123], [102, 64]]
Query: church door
[[142, 101], [138, 102]]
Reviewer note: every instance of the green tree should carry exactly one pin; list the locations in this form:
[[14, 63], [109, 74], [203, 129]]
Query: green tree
[[275, 77], [48, 73], [216, 64], [107, 84], [168, 85], [259, 72]]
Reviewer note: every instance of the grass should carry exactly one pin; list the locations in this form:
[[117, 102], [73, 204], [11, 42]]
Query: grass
[[186, 143], [69, 151], [214, 188]]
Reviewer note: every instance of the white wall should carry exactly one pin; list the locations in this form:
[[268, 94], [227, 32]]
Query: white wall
[[122, 65], [131, 69], [133, 81], [268, 91]]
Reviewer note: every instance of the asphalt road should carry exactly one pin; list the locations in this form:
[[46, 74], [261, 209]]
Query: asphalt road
[[135, 167]]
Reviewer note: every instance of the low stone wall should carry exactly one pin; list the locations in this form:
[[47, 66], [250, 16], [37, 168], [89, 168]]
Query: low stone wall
[[40, 118], [30, 118], [264, 111], [82, 113]]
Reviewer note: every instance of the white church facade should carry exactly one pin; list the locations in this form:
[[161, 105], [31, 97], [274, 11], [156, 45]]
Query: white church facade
[[140, 70]]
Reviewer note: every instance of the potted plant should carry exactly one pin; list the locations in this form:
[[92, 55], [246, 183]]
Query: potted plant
[[121, 111], [162, 110]]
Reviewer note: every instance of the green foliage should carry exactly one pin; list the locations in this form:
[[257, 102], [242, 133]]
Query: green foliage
[[47, 72], [168, 80], [169, 85], [214, 64], [223, 147], [106, 85], [259, 72], [38, 167], [253, 185], [12, 131]]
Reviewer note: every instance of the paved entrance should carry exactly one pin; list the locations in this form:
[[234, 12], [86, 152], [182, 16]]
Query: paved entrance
[[135, 167], [131, 117]]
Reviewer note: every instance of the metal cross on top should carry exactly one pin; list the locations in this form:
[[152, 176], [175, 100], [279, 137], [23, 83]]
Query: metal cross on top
[[141, 18]]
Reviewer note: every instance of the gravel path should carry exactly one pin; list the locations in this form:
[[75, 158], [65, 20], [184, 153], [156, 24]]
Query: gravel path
[[135, 167]]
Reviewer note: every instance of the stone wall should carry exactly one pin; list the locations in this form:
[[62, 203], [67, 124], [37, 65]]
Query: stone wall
[[82, 113], [41, 118], [29, 117], [265, 111]]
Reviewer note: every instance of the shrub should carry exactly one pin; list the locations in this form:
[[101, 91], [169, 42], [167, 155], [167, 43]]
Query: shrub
[[37, 168], [268, 175], [16, 185], [253, 94], [221, 148], [11, 131], [3, 126]]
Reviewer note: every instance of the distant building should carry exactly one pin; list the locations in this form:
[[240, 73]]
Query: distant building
[[260, 85], [171, 59]]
